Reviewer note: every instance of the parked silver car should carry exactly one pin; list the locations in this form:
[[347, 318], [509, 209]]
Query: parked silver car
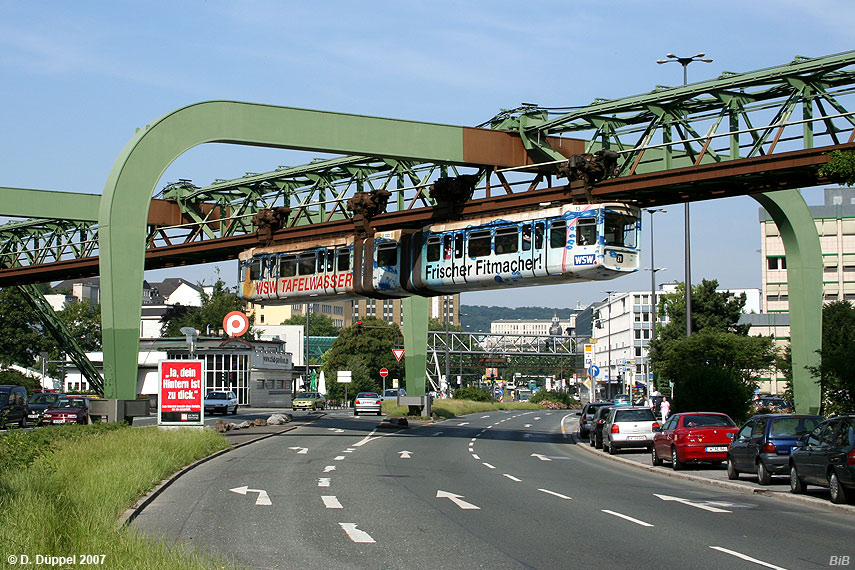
[[367, 402], [221, 401], [627, 427]]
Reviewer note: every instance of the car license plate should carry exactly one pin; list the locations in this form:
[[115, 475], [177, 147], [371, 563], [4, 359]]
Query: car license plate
[[635, 437], [58, 421], [718, 449]]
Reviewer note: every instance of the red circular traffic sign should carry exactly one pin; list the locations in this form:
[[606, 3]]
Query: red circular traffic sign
[[383, 372]]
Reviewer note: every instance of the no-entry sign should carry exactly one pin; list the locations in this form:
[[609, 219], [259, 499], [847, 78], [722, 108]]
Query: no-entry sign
[[181, 395], [383, 372]]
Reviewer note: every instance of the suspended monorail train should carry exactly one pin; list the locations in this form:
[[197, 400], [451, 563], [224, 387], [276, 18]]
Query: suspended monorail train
[[554, 244]]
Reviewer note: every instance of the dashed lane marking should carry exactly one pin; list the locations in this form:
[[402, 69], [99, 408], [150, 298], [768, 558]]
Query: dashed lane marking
[[331, 502], [625, 517], [487, 465], [511, 477], [355, 534], [746, 557], [559, 495]]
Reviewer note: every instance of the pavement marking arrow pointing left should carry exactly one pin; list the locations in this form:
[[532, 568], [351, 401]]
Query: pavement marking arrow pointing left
[[692, 503], [456, 499], [300, 450], [541, 457], [263, 498], [405, 454]]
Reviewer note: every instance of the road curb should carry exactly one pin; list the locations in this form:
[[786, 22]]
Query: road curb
[[128, 516], [730, 485]]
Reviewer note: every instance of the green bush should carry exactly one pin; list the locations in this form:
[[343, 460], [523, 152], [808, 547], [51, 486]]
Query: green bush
[[554, 396], [472, 393], [709, 389]]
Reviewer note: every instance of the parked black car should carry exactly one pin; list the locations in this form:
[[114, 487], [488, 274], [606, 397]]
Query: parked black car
[[763, 444], [13, 405], [586, 416], [826, 457], [596, 433], [39, 402]]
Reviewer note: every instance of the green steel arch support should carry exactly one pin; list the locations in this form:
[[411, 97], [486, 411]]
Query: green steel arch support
[[133, 178], [804, 284]]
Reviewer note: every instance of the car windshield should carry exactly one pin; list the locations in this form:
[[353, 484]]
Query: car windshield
[[793, 427], [70, 403], [307, 395], [43, 398], [707, 420], [217, 396], [644, 415]]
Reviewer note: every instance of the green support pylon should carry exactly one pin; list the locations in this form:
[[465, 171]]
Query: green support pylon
[[415, 344], [804, 285]]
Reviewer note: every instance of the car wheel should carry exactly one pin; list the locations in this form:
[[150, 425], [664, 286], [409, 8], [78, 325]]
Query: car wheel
[[23, 422], [838, 493], [591, 441], [676, 464], [355, 413], [732, 473], [797, 486], [234, 413], [763, 475], [657, 461], [598, 443], [612, 449]]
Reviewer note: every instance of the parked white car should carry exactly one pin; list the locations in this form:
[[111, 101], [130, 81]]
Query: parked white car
[[221, 402], [628, 427]]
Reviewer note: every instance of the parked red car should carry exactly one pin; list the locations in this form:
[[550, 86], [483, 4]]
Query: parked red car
[[693, 437], [67, 410]]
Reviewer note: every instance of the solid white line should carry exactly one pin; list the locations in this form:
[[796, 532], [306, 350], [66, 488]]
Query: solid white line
[[748, 558], [365, 439], [559, 495], [355, 534], [636, 521], [475, 456], [331, 502], [511, 477], [488, 465]]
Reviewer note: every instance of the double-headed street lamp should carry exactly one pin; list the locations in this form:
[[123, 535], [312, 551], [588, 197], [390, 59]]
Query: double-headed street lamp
[[685, 61], [653, 305]]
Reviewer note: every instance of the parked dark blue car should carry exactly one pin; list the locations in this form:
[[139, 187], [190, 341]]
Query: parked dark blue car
[[762, 445], [826, 457]]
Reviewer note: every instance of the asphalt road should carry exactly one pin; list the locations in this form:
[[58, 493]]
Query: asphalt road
[[493, 490]]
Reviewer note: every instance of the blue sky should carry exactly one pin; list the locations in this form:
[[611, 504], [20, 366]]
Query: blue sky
[[77, 79]]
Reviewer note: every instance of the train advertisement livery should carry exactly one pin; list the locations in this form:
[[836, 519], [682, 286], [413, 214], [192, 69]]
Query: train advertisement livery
[[569, 243]]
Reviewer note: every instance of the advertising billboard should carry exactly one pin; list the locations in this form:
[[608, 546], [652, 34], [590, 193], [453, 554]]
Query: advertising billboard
[[181, 393]]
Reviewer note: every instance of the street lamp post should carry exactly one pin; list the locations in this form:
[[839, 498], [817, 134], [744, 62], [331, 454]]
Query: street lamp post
[[609, 304], [685, 61], [653, 270]]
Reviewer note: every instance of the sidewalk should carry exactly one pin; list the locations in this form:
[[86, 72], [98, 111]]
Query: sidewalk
[[717, 475]]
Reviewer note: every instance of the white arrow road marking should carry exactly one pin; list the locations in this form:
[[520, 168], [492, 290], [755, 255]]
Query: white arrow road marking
[[487, 465], [331, 502], [559, 495], [748, 558], [263, 498], [463, 424], [329, 468], [355, 534], [692, 504], [541, 457], [405, 454], [324, 482], [456, 499], [511, 477], [338, 457], [636, 521], [300, 450]]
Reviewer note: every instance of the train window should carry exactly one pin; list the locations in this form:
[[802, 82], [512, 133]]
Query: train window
[[322, 260], [620, 230], [433, 248], [479, 243], [458, 245], [507, 240], [287, 266], [344, 259], [526, 237], [255, 269], [387, 254], [330, 261], [586, 231], [446, 246], [306, 263], [538, 235], [557, 233]]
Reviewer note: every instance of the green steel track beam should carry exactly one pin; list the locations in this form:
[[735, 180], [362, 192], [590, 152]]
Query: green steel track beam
[[29, 203]]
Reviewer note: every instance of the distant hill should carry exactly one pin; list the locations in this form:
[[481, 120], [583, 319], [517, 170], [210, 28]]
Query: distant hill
[[477, 318]]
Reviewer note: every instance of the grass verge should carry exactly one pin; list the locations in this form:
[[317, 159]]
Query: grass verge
[[448, 408], [65, 500]]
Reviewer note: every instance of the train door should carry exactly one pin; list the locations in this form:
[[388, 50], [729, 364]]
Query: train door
[[533, 248], [458, 263], [387, 273], [556, 246]]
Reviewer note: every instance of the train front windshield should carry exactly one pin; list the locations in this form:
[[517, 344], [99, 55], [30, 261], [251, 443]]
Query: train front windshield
[[621, 230]]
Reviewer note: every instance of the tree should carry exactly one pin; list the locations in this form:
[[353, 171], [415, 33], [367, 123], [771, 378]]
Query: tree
[[835, 373], [840, 167], [319, 324], [716, 367], [21, 335], [363, 353], [83, 321], [215, 306]]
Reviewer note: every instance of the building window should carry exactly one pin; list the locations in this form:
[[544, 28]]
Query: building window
[[776, 262]]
